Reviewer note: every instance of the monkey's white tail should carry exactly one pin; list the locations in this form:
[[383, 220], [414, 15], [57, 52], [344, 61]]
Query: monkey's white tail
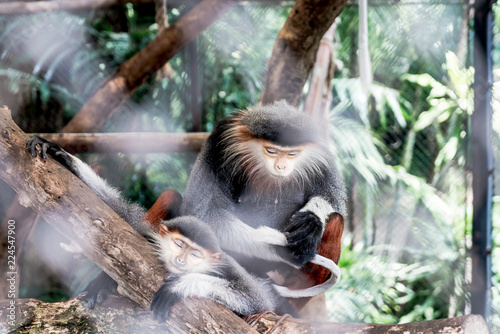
[[317, 289]]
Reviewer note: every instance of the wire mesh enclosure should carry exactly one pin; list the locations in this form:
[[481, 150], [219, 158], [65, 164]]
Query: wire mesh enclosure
[[399, 127], [406, 162]]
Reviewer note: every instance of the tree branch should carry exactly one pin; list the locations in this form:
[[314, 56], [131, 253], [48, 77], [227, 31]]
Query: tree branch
[[75, 211], [470, 324], [119, 315], [135, 71]]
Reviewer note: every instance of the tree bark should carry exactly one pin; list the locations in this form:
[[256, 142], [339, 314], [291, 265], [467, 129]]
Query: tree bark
[[143, 142], [117, 315], [120, 315], [295, 49], [135, 71], [72, 208], [471, 324]]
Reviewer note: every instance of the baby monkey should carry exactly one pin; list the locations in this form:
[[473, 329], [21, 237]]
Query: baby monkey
[[198, 267], [187, 246]]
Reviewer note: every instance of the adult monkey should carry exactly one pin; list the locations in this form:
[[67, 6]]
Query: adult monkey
[[263, 181], [268, 186]]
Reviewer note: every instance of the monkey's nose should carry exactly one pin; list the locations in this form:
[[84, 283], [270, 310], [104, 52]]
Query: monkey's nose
[[280, 167], [181, 260]]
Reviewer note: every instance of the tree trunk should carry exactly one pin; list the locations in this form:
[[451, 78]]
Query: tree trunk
[[295, 49], [319, 97]]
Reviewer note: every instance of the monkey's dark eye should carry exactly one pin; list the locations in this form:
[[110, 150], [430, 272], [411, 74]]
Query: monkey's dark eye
[[271, 150], [179, 243], [293, 153], [196, 254]]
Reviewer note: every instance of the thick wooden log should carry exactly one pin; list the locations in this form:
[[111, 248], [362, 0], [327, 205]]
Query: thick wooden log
[[116, 315], [470, 324], [75, 211], [122, 315]]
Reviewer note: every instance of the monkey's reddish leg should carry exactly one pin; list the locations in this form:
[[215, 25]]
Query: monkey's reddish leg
[[330, 247], [166, 206], [313, 274]]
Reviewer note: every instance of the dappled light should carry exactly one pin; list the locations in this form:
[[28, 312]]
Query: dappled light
[[398, 114]]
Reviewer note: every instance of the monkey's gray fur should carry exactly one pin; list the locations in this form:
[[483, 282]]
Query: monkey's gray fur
[[251, 212], [229, 283]]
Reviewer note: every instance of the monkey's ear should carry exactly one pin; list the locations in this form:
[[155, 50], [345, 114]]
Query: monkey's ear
[[217, 255], [163, 230]]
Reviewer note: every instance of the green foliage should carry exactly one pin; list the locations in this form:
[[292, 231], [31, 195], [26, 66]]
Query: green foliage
[[390, 284], [450, 107], [423, 275], [64, 58]]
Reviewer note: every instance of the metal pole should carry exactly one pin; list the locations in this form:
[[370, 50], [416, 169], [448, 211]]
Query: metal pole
[[482, 162]]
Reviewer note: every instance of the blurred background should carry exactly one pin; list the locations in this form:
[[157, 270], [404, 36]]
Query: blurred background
[[403, 144]]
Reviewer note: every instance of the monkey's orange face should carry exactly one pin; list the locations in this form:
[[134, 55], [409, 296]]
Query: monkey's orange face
[[279, 160], [181, 255], [185, 255]]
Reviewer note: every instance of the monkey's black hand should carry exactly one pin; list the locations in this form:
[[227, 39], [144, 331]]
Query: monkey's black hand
[[47, 147], [303, 233], [98, 289], [163, 300]]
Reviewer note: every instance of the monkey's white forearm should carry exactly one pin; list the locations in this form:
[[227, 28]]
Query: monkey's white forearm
[[320, 207], [222, 290], [255, 242]]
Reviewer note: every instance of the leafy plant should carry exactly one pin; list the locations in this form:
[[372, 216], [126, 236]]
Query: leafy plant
[[450, 106], [388, 283], [411, 263]]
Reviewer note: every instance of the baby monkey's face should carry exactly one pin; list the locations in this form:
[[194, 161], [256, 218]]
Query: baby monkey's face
[[183, 256]]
